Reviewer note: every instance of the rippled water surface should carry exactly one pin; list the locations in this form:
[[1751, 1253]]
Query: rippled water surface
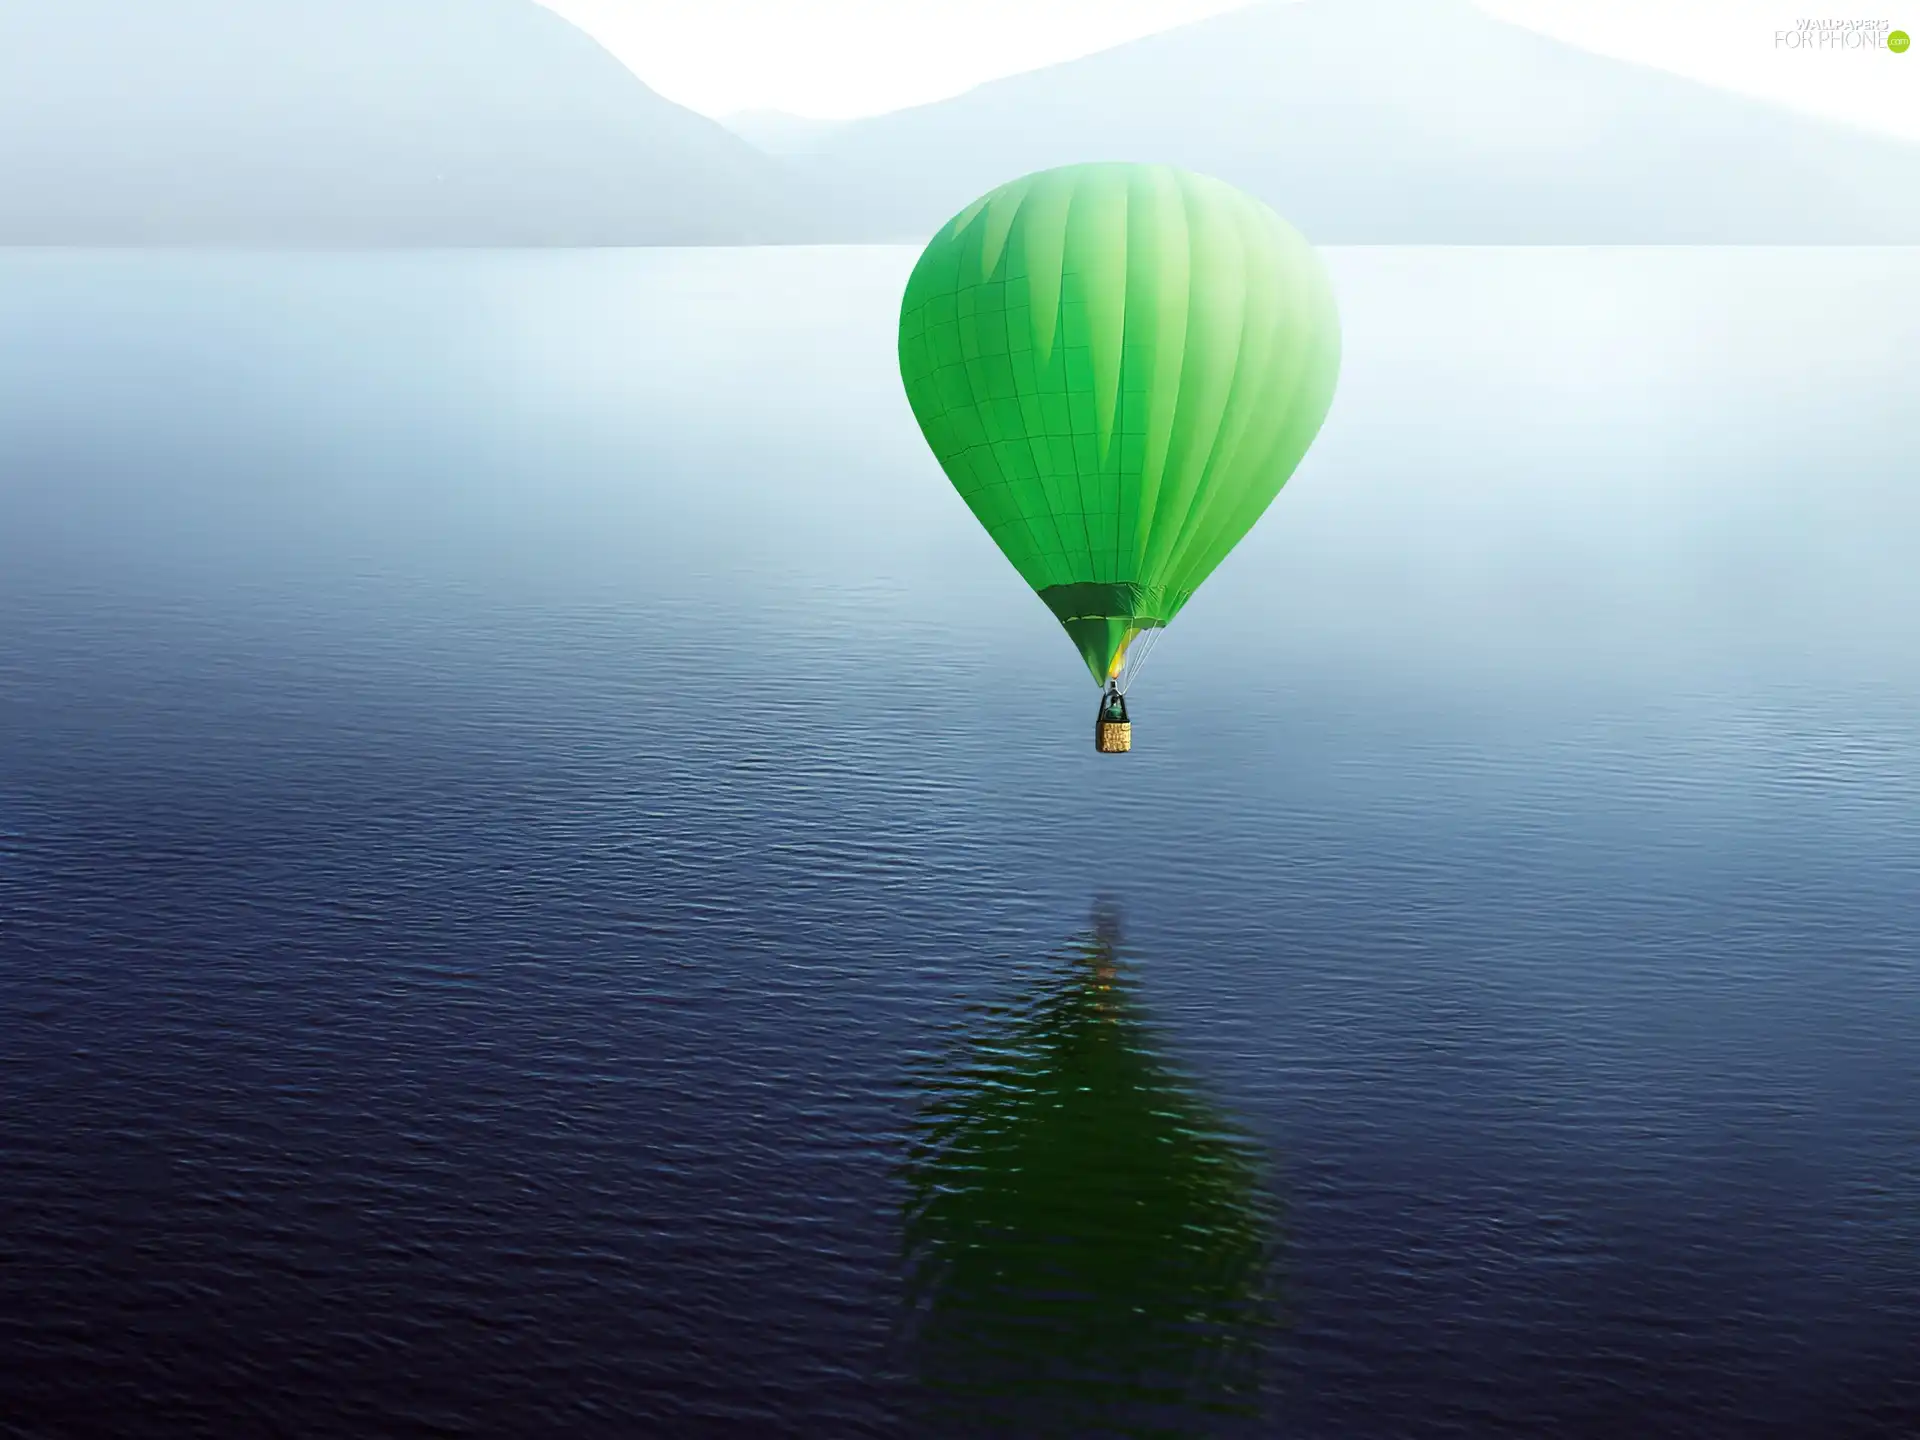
[[553, 882]]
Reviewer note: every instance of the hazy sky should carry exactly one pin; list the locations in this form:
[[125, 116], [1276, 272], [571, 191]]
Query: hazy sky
[[839, 58]]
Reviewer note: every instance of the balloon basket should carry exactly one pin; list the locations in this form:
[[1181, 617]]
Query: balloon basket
[[1112, 737]]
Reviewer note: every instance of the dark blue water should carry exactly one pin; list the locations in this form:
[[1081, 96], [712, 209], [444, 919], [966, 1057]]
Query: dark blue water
[[552, 882]]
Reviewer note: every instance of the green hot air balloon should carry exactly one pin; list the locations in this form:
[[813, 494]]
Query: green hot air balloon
[[1118, 366]]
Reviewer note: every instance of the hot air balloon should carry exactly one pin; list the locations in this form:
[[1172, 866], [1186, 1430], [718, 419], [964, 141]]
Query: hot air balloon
[[1091, 1245], [1118, 366]]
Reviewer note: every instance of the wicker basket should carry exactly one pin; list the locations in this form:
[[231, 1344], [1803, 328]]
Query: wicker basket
[[1112, 737]]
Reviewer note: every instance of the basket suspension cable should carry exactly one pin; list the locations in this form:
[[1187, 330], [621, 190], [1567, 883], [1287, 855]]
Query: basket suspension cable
[[1124, 678], [1136, 662], [1148, 643]]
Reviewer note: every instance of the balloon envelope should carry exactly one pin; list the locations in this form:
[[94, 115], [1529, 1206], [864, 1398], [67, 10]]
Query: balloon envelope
[[1118, 366]]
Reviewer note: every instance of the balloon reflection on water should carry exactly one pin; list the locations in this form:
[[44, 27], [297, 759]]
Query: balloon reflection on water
[[1090, 1247]]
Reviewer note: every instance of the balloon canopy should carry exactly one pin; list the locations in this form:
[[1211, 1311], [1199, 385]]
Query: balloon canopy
[[1118, 366]]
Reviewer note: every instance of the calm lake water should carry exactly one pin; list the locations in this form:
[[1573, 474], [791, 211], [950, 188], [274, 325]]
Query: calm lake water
[[552, 881]]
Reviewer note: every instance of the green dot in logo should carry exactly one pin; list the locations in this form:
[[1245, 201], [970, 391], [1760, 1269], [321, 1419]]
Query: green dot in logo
[[1897, 41]]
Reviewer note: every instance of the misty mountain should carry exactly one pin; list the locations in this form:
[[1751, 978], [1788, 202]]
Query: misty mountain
[[779, 133], [412, 122], [1385, 121]]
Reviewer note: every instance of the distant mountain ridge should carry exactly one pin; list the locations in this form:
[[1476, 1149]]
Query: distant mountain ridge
[[779, 133], [495, 122], [1394, 121], [373, 122]]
